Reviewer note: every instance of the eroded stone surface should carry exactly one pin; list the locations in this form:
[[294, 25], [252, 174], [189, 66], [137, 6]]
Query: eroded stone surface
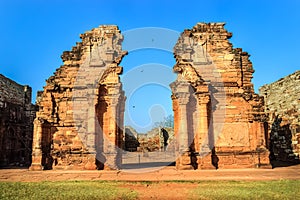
[[79, 123], [282, 104], [131, 139], [218, 117], [16, 117]]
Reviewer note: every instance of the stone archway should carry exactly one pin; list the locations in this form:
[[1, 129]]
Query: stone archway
[[79, 124], [110, 113], [191, 101], [83, 94]]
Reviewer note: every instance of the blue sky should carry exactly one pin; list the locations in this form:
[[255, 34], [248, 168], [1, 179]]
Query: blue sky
[[34, 33]]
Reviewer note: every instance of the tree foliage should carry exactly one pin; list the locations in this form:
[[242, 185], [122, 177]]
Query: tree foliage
[[167, 122]]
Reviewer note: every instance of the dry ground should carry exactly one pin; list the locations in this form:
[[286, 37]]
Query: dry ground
[[152, 174], [155, 183]]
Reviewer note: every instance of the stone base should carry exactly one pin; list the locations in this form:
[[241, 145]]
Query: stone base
[[36, 164], [184, 167], [100, 161], [36, 167], [111, 161], [205, 162], [263, 159], [231, 160], [108, 168], [265, 166], [90, 166], [184, 162], [91, 162]]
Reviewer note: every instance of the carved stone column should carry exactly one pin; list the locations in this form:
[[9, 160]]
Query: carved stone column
[[91, 136], [111, 151], [37, 145], [183, 99], [205, 157], [203, 115], [120, 127], [109, 52], [184, 155]]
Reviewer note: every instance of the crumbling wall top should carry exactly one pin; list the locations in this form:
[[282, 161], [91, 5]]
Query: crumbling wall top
[[10, 91], [108, 35]]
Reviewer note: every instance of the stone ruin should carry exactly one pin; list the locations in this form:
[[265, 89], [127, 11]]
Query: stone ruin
[[82, 105], [76, 124], [218, 116], [16, 123], [282, 105], [218, 119], [131, 139]]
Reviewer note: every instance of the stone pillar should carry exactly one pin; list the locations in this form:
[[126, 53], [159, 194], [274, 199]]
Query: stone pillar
[[203, 109], [203, 101], [183, 99], [120, 128], [91, 137], [262, 153], [184, 155], [111, 146], [204, 159], [37, 153], [109, 51]]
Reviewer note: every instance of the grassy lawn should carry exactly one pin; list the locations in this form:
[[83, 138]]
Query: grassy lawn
[[281, 189], [64, 190]]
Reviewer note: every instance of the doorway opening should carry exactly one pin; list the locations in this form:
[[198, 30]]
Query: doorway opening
[[148, 117]]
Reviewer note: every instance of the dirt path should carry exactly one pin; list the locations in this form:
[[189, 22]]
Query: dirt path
[[161, 190], [163, 174]]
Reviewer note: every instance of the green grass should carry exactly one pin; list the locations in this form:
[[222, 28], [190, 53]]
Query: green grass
[[281, 189], [65, 190]]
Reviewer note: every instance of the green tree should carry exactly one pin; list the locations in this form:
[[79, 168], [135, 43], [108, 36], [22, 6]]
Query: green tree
[[167, 122]]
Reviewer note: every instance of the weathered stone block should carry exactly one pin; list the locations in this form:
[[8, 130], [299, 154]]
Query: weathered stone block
[[282, 108], [16, 123]]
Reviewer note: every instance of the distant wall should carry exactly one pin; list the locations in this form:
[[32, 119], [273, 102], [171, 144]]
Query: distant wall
[[16, 123], [10, 91], [282, 104]]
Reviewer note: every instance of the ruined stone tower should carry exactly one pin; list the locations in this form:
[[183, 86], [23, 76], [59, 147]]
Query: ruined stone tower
[[218, 117], [82, 105]]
